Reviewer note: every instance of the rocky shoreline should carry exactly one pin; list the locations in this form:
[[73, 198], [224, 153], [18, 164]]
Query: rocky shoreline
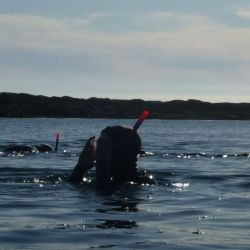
[[26, 105]]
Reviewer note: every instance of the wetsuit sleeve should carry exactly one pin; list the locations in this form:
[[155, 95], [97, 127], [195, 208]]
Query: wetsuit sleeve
[[85, 162], [103, 162]]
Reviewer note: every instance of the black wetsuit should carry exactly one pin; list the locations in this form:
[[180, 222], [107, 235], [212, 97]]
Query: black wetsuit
[[116, 156]]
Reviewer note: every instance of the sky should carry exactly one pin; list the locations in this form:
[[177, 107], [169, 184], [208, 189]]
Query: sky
[[134, 49]]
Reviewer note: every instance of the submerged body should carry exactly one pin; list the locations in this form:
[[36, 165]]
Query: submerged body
[[27, 149]]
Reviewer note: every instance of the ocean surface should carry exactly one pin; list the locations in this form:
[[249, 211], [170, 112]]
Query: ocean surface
[[201, 201]]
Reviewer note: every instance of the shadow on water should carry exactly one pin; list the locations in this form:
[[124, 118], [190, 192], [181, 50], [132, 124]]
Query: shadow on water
[[124, 205], [118, 224], [114, 210]]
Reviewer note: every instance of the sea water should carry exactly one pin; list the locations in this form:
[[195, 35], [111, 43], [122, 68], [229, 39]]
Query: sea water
[[201, 200]]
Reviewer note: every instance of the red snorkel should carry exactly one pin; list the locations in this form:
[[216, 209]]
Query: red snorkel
[[57, 141], [141, 119]]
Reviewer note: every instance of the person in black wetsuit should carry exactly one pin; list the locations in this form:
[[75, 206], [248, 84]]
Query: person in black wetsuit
[[27, 149], [114, 156]]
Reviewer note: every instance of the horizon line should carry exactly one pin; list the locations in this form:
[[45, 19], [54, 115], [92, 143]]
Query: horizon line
[[125, 99]]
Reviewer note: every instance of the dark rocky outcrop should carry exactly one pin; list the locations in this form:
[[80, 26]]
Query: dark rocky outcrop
[[25, 105]]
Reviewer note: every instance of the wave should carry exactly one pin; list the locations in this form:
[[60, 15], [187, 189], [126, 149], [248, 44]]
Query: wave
[[205, 155], [190, 155]]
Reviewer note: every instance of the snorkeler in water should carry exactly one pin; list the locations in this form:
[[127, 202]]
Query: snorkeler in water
[[27, 149], [114, 155]]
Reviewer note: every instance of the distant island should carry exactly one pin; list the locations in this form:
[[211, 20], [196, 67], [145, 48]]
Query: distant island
[[26, 105]]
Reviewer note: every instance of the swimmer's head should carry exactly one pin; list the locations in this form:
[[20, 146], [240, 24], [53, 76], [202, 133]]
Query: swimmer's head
[[126, 146]]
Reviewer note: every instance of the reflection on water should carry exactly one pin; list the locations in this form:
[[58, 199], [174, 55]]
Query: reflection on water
[[200, 201], [118, 224]]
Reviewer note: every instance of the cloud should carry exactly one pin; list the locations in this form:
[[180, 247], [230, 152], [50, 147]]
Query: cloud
[[243, 13], [165, 48], [195, 37]]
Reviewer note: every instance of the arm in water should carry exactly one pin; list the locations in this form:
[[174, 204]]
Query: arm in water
[[85, 161]]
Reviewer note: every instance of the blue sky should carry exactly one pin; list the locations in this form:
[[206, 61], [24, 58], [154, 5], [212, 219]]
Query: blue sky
[[153, 50]]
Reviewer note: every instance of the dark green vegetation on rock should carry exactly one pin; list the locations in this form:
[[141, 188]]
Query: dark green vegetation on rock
[[25, 105]]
